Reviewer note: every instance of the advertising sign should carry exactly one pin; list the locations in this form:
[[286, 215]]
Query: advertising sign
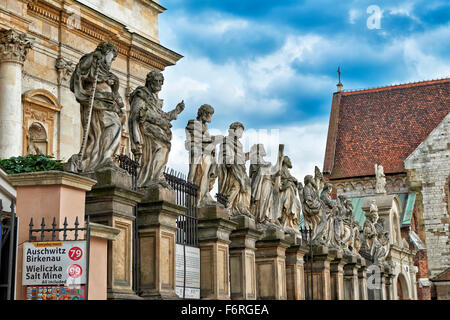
[[54, 263]]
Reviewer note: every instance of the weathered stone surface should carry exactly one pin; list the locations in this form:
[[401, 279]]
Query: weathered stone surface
[[242, 258], [111, 203], [295, 273], [214, 229], [157, 231], [429, 173]]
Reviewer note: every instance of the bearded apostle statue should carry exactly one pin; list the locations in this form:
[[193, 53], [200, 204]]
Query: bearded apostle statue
[[290, 206], [262, 177], [150, 130], [233, 179], [96, 88], [313, 212], [202, 154]]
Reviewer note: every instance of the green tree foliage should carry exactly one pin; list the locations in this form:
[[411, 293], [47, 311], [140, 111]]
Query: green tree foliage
[[30, 163]]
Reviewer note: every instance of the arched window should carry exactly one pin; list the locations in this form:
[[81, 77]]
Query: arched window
[[37, 139], [40, 110]]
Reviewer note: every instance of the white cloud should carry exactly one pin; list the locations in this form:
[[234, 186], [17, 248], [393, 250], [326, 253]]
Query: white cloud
[[244, 86], [304, 144], [353, 15]]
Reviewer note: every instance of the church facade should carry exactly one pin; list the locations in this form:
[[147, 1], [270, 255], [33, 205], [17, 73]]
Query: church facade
[[40, 43], [403, 128]]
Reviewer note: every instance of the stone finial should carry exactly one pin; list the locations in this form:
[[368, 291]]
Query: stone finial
[[14, 45]]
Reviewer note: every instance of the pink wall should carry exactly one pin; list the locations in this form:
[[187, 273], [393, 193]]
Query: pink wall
[[98, 270], [48, 201]]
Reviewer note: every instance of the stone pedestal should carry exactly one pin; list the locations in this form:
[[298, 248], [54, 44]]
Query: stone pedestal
[[362, 279], [214, 229], [351, 281], [271, 265], [376, 282], [14, 47], [111, 202], [295, 272], [157, 226], [321, 275], [242, 259], [337, 274]]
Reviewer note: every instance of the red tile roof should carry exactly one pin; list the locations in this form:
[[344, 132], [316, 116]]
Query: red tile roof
[[382, 125]]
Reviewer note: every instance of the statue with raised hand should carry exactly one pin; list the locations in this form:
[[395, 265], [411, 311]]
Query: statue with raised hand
[[150, 130], [202, 154]]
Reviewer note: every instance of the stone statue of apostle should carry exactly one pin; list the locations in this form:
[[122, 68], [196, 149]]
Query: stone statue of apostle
[[104, 131], [201, 146], [150, 130]]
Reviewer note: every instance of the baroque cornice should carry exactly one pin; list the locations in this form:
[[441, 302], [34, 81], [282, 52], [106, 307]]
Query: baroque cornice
[[153, 53]]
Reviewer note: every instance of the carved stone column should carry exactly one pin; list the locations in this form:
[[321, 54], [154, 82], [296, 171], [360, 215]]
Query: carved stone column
[[14, 47], [351, 282], [389, 281], [295, 272], [157, 226], [362, 278], [111, 202], [321, 274], [271, 266], [242, 259], [214, 229], [337, 275], [376, 283]]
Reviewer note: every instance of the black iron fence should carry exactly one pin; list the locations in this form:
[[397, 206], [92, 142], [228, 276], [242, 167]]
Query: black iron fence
[[186, 196], [52, 233], [55, 232], [130, 166], [222, 199], [8, 240], [309, 262]]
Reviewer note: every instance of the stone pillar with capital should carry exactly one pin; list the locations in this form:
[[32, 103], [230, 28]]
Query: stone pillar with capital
[[157, 227], [337, 275], [362, 278], [214, 229], [14, 47], [271, 265], [321, 274], [351, 281], [242, 259], [295, 272], [111, 202]]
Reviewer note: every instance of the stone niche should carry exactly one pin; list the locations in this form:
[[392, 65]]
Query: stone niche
[[40, 110]]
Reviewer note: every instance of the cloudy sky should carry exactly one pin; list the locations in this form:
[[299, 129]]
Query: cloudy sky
[[272, 64]]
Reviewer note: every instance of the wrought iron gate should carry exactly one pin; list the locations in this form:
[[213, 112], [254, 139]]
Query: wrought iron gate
[[8, 240]]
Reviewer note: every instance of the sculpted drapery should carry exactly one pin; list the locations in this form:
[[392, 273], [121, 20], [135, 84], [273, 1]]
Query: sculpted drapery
[[201, 147], [105, 128], [150, 130], [290, 207], [233, 179], [262, 177]]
